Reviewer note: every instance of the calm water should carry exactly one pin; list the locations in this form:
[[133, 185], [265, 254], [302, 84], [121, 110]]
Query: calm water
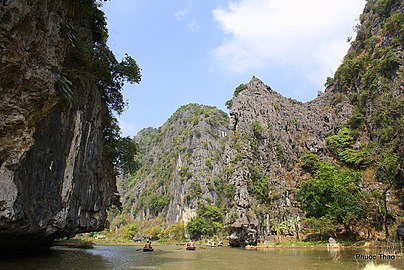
[[174, 257]]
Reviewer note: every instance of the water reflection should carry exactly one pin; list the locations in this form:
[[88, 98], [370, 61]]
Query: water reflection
[[57, 258], [177, 258]]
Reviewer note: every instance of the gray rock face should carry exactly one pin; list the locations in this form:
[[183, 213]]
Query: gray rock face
[[271, 133], [54, 181], [32, 53], [194, 158], [182, 164]]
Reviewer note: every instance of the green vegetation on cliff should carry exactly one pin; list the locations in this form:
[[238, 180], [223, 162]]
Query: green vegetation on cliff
[[179, 164], [333, 193], [89, 61], [371, 75], [208, 222], [338, 160]]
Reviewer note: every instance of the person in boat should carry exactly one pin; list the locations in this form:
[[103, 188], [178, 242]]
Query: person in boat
[[147, 245], [192, 243]]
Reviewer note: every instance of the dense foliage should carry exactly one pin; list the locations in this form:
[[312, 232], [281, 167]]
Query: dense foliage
[[259, 184], [334, 194], [340, 145], [209, 222], [310, 161], [157, 202], [91, 64]]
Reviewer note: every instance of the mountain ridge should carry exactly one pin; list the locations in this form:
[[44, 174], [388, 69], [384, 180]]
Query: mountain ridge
[[275, 147]]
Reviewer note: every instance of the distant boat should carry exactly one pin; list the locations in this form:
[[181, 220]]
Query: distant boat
[[148, 249], [190, 248]]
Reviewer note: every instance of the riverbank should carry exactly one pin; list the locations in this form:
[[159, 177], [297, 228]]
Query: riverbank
[[74, 243], [86, 243], [319, 244]]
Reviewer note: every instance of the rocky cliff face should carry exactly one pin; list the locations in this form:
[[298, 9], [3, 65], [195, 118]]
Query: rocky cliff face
[[249, 165], [54, 180], [252, 170], [181, 165], [269, 135]]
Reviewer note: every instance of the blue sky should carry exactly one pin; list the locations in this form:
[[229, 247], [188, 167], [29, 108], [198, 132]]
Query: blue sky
[[200, 51]]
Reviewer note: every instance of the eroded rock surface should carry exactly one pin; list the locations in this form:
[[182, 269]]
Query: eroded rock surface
[[54, 180], [269, 135]]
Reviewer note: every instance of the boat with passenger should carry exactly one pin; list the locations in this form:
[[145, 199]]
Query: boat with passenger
[[148, 247], [191, 245]]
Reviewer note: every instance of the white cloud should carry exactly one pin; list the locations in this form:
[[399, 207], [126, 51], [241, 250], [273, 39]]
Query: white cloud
[[180, 14], [309, 35]]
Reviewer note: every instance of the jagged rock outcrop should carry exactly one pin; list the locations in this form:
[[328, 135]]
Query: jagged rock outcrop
[[195, 158], [54, 178], [272, 132], [269, 135], [181, 165]]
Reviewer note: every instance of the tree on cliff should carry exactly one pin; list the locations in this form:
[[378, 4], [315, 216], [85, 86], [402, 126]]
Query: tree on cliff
[[207, 223], [92, 62], [334, 194], [387, 170]]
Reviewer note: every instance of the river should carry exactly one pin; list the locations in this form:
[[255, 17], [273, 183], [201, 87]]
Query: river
[[177, 258]]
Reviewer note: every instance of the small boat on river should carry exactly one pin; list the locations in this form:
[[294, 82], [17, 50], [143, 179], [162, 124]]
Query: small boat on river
[[148, 247], [191, 245]]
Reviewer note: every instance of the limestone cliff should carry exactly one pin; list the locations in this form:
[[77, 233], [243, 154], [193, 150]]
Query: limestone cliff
[[269, 135], [181, 165], [54, 178], [252, 169]]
